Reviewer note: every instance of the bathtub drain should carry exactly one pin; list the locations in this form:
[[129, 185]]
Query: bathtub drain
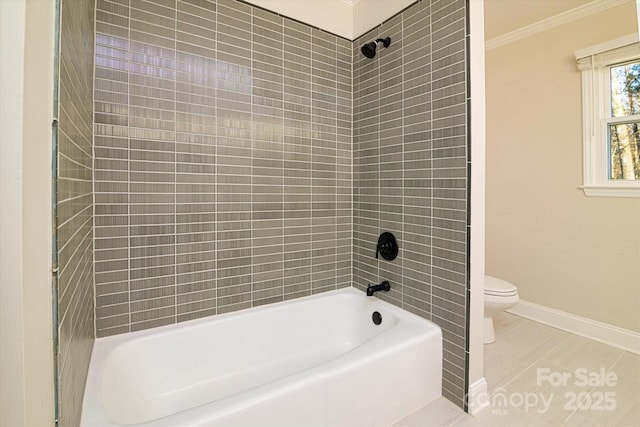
[[376, 317]]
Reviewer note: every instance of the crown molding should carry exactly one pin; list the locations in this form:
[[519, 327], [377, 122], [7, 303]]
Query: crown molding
[[571, 15], [628, 42]]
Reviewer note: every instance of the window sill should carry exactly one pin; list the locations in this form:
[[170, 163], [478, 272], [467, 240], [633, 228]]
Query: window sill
[[612, 191]]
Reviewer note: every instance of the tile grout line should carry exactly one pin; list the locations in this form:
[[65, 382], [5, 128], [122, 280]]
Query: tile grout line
[[175, 172], [129, 169]]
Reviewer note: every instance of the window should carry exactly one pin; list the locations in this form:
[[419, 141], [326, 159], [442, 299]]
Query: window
[[611, 117]]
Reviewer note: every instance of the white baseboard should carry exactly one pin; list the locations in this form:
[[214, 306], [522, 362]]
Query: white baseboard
[[608, 334], [477, 397]]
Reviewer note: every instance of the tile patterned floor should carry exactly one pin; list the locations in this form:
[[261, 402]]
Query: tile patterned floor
[[542, 376]]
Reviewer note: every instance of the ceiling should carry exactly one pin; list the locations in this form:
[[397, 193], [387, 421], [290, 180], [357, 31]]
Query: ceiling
[[352, 18], [346, 18], [504, 16]]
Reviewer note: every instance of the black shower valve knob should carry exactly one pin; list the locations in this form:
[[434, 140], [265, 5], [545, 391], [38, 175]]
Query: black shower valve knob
[[387, 246], [384, 247]]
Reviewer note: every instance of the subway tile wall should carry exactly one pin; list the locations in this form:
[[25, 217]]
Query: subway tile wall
[[222, 161], [410, 170], [74, 211], [224, 142]]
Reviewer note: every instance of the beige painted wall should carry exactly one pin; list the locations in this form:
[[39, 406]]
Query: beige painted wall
[[26, 84], [12, 405], [562, 249]]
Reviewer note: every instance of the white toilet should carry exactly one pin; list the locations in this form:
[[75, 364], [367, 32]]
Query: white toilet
[[499, 295]]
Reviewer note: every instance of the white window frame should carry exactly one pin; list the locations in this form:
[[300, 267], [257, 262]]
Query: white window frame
[[594, 63]]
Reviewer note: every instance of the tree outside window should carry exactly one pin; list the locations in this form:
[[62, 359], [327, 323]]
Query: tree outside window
[[624, 131]]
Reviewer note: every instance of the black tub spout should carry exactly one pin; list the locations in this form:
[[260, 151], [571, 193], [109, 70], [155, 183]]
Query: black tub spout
[[384, 286]]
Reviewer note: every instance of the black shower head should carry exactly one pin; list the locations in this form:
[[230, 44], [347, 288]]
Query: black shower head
[[369, 49]]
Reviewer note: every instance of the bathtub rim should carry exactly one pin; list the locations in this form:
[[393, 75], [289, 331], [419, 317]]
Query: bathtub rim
[[113, 340]]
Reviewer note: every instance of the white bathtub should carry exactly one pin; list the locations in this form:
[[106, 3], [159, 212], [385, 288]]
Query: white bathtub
[[314, 361]]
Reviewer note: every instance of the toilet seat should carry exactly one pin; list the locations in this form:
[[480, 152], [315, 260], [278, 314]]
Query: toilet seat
[[501, 294], [499, 288]]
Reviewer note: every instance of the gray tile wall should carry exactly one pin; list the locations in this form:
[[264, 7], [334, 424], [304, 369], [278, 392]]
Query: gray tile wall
[[410, 170], [75, 206], [222, 161]]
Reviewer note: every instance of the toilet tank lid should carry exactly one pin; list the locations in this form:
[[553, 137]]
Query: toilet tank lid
[[493, 284]]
